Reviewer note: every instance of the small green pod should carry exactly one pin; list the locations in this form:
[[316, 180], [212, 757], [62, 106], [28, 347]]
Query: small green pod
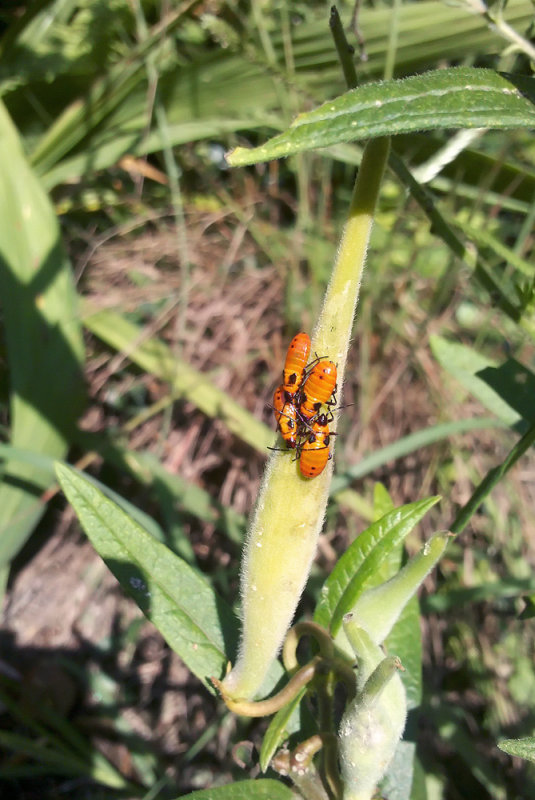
[[377, 610], [374, 721], [283, 535]]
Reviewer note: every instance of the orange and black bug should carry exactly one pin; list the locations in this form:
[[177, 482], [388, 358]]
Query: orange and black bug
[[286, 415], [295, 364], [318, 389], [314, 452]]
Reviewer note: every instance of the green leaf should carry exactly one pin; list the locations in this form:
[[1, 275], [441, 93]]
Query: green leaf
[[357, 568], [522, 748], [263, 789], [468, 366], [194, 621], [405, 641], [382, 502], [281, 726], [515, 384], [461, 97], [43, 339], [397, 783], [529, 608]]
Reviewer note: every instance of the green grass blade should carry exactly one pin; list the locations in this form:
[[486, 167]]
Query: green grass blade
[[408, 444], [451, 98], [491, 479], [43, 337], [484, 239], [358, 566], [94, 765], [443, 602], [103, 97], [194, 621], [155, 357]]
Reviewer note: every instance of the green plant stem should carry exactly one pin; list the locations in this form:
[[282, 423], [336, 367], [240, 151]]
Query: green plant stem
[[335, 325], [321, 636], [343, 49], [491, 479], [283, 535], [510, 34], [263, 708]]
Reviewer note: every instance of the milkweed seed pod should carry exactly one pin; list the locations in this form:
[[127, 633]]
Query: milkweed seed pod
[[282, 538], [374, 721]]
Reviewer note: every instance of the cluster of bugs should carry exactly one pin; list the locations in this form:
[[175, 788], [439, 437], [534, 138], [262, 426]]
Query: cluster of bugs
[[298, 402]]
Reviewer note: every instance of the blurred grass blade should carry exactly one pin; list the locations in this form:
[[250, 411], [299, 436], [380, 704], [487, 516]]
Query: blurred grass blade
[[155, 357], [483, 238], [358, 567], [460, 97], [491, 479], [107, 93], [506, 390], [491, 279], [444, 601], [521, 748], [263, 789], [46, 465], [194, 621], [408, 444], [43, 337], [60, 760], [454, 731]]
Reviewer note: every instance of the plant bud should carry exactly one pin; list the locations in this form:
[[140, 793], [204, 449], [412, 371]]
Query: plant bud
[[374, 721]]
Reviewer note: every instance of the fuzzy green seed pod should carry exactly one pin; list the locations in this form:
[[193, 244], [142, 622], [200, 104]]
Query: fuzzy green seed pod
[[374, 721], [378, 609], [283, 534]]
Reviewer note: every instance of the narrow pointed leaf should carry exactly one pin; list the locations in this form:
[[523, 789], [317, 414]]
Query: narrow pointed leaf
[[461, 97], [285, 721]]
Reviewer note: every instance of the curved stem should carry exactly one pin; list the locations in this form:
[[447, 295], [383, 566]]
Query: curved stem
[[262, 708], [295, 634]]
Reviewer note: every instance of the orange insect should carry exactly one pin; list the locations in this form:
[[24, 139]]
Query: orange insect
[[318, 389], [286, 415], [314, 452], [295, 364]]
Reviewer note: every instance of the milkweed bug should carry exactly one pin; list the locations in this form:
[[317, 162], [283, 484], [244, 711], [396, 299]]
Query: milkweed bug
[[314, 451], [295, 364], [286, 415], [318, 389]]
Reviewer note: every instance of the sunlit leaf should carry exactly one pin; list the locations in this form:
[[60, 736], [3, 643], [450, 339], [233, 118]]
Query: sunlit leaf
[[460, 97]]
